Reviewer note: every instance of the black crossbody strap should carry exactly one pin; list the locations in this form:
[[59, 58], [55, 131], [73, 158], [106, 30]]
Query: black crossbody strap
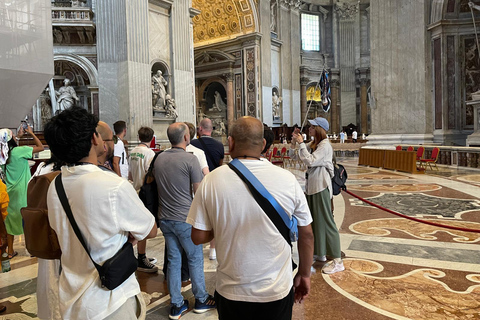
[[63, 199], [205, 148], [152, 164], [266, 206]]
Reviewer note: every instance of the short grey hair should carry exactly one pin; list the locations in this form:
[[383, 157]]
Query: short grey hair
[[176, 133]]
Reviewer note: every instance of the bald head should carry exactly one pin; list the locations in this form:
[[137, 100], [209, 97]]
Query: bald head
[[177, 132], [206, 127], [106, 151], [247, 136]]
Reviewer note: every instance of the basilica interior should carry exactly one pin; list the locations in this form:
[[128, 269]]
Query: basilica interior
[[399, 72]]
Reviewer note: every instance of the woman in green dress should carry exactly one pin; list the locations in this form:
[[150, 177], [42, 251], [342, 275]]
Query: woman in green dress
[[14, 163]]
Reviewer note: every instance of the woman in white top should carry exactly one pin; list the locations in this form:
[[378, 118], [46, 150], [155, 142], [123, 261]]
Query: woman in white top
[[317, 156]]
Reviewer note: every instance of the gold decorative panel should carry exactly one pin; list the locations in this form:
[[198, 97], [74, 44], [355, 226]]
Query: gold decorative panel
[[222, 19]]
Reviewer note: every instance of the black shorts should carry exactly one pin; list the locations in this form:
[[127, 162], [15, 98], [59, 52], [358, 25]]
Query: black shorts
[[241, 310]]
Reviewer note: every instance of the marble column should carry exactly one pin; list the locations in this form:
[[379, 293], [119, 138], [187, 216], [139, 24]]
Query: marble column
[[182, 60], [347, 15], [401, 110], [303, 97], [230, 100], [123, 63], [363, 106], [335, 120]]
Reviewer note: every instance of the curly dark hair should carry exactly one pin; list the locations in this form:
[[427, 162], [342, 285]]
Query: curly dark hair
[[69, 134]]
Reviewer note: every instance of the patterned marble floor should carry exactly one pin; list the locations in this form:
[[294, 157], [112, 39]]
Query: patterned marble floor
[[395, 268]]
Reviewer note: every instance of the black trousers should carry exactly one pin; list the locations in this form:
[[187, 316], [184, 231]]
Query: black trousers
[[241, 310]]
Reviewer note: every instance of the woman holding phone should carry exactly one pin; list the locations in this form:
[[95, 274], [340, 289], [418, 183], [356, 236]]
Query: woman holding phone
[[317, 156], [14, 163]]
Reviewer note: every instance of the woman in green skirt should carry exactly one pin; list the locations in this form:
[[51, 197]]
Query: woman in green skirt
[[317, 156]]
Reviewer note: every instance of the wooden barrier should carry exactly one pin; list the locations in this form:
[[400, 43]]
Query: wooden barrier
[[405, 161]]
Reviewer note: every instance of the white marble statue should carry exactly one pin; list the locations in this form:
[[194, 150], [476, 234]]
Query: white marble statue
[[66, 96], [158, 90], [219, 104], [170, 108], [276, 100]]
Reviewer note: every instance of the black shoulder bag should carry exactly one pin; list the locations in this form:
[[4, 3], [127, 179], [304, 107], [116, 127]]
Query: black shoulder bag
[[115, 270], [148, 191]]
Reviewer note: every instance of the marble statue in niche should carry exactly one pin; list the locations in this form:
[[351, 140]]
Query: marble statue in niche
[[219, 126], [273, 16], [276, 100], [219, 104], [170, 107], [66, 96], [158, 91]]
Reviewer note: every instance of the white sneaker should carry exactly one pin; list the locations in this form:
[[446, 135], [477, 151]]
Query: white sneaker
[[333, 266], [319, 258], [213, 254]]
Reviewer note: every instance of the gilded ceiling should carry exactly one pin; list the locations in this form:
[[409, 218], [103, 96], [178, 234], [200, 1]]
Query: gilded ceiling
[[220, 20]]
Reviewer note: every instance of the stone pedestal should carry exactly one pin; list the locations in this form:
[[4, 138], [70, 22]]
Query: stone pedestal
[[473, 140]]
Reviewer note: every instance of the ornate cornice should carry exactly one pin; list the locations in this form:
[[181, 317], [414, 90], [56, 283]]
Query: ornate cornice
[[228, 76], [347, 11], [290, 4]]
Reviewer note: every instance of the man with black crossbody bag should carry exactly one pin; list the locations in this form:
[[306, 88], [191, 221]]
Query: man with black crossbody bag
[[97, 217], [254, 276]]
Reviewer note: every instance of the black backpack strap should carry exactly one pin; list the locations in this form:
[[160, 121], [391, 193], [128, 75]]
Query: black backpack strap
[[66, 206], [266, 206]]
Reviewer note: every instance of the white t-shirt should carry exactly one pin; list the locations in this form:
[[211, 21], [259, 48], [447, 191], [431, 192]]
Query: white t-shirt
[[119, 151], [140, 158], [254, 260], [354, 135], [106, 209], [199, 153]]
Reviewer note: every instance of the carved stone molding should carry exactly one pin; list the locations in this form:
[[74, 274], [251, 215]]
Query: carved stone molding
[[228, 76], [291, 4], [347, 11], [304, 81], [363, 82], [334, 83]]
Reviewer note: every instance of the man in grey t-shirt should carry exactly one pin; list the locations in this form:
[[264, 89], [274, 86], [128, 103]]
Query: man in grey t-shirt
[[177, 174]]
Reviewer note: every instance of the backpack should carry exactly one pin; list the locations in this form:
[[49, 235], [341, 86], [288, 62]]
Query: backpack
[[339, 179], [40, 239], [148, 191]]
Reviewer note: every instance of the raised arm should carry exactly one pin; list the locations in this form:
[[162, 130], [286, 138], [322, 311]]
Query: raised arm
[[38, 144]]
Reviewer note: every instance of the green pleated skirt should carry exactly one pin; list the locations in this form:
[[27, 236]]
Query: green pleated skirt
[[327, 238]]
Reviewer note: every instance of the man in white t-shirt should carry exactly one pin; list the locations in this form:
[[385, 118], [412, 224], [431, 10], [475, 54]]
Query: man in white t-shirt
[[255, 283], [197, 152], [120, 161], [108, 213], [139, 161], [354, 136]]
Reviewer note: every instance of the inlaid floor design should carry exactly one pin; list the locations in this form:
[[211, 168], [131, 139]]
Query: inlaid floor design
[[395, 268]]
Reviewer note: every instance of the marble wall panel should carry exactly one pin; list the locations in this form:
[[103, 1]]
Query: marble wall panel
[[159, 34], [275, 68], [287, 105], [398, 67], [267, 106]]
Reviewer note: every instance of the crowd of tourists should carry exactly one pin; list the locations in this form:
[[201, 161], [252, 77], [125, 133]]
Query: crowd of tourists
[[96, 212]]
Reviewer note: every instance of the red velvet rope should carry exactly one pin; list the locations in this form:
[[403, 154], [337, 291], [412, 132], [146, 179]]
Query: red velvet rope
[[411, 218]]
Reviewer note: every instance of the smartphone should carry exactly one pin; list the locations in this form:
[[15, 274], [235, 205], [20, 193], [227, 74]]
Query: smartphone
[[24, 125]]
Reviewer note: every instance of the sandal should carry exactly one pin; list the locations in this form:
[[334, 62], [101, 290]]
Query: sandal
[[14, 254]]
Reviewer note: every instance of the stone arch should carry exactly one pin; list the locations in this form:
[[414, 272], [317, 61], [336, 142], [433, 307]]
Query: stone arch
[[87, 66]]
